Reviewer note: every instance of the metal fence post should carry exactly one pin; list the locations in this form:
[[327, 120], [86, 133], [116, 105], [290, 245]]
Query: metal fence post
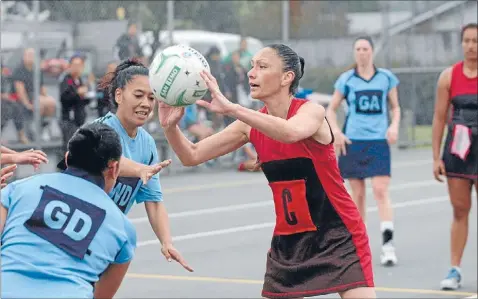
[[36, 76], [285, 21]]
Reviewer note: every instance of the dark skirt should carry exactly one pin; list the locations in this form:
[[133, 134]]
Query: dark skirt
[[317, 263], [366, 159], [455, 167]]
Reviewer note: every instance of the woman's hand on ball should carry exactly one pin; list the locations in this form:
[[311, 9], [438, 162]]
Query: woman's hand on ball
[[169, 116], [219, 103]]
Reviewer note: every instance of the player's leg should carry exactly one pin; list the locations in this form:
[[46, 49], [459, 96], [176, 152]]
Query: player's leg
[[357, 187], [363, 293], [460, 197], [380, 187]]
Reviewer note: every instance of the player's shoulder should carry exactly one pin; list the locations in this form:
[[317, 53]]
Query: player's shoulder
[[346, 75], [34, 179], [386, 72], [309, 106], [445, 77]]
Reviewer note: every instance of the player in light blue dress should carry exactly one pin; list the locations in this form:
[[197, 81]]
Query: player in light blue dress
[[62, 236], [368, 132], [134, 101]]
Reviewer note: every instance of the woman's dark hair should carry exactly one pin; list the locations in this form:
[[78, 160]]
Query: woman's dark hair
[[124, 72], [366, 38], [292, 63], [92, 147], [466, 27]]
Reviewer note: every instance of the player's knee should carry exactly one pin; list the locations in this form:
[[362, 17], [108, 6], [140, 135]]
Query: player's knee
[[461, 211], [380, 192], [380, 188]]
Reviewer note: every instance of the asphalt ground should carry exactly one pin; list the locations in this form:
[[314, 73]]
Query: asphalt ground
[[222, 223]]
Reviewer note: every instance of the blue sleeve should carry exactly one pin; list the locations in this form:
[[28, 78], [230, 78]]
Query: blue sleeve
[[392, 79], [341, 82], [151, 191], [6, 196], [126, 253]]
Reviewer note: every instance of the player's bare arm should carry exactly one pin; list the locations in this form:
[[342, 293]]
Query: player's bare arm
[[221, 143], [303, 125], [331, 112], [110, 280], [442, 104]]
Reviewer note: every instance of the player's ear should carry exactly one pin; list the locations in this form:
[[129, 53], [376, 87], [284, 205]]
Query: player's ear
[[287, 78], [118, 96]]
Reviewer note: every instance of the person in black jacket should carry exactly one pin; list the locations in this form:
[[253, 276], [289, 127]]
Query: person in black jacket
[[72, 99]]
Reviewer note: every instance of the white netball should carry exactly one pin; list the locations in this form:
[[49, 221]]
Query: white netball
[[174, 75]]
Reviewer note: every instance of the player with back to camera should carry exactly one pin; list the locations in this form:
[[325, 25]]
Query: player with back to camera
[[364, 144], [134, 101], [458, 87], [319, 244], [62, 236]]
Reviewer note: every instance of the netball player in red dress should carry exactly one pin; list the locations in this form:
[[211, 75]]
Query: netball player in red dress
[[319, 244], [458, 87]]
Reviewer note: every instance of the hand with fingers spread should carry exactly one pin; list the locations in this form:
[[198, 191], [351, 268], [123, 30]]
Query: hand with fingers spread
[[171, 253], [6, 173], [31, 157], [219, 103], [148, 171], [169, 116]]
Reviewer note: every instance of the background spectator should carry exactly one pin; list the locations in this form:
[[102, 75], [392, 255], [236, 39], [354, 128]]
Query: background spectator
[[73, 99], [23, 87], [11, 109]]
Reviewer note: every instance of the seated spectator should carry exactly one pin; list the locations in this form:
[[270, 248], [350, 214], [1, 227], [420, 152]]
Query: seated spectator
[[24, 90], [190, 123], [10, 108], [72, 99]]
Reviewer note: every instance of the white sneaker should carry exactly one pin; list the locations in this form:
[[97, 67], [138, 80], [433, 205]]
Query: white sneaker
[[388, 256], [452, 281]]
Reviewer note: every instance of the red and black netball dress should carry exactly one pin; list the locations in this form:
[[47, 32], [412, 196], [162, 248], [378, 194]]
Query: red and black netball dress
[[320, 244], [460, 153]]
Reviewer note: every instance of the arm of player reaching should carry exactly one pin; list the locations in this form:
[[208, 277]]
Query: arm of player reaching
[[302, 125], [159, 220], [130, 168], [6, 150], [216, 145]]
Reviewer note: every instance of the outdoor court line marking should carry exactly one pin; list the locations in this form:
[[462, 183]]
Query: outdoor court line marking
[[473, 296], [252, 227], [265, 203], [256, 281], [259, 181]]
